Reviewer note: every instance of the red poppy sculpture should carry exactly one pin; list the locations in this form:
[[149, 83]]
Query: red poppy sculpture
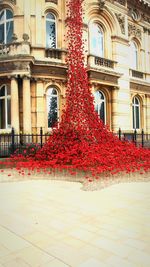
[[82, 142]]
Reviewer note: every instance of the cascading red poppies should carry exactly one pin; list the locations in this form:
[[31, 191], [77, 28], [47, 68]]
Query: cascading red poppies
[[82, 142]]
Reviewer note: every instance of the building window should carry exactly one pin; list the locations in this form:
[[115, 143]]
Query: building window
[[133, 56], [50, 30], [96, 40], [52, 107], [6, 26], [5, 107], [100, 105], [136, 113]]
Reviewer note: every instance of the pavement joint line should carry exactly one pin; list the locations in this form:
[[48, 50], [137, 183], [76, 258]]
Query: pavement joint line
[[42, 250]]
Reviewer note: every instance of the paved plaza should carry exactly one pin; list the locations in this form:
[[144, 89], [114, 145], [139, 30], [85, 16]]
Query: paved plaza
[[46, 223]]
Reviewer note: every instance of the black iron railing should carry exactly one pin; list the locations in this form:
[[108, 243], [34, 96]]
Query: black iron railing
[[21, 143], [136, 137], [26, 144]]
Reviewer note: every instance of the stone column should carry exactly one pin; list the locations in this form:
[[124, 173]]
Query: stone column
[[26, 106], [14, 105], [115, 109], [40, 105]]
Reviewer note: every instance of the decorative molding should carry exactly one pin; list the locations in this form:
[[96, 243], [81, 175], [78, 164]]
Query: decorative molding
[[103, 77], [139, 87], [134, 31], [121, 20], [146, 30], [25, 37], [145, 17], [121, 2], [9, 1], [134, 14], [52, 1], [102, 4]]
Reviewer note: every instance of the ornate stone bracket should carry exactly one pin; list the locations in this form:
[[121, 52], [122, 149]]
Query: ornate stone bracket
[[133, 30], [121, 20]]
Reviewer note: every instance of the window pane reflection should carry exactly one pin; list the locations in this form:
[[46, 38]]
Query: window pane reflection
[[52, 107], [100, 105]]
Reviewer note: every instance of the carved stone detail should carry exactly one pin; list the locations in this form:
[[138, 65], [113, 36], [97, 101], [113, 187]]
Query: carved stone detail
[[9, 1], [121, 20], [133, 30], [121, 2], [145, 18], [14, 38], [146, 30], [25, 37], [135, 14], [101, 4], [52, 1]]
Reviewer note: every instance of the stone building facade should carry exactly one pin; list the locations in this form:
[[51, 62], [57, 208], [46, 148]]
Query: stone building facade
[[33, 70]]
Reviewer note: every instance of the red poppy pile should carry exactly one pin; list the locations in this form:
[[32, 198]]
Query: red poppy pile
[[82, 143]]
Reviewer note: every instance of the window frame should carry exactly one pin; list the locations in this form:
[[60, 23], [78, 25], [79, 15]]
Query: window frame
[[5, 98], [48, 96], [5, 21], [91, 35], [100, 102], [134, 119], [134, 66], [54, 21]]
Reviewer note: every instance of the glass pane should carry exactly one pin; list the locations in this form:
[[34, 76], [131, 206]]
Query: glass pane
[[102, 112], [133, 55], [50, 16], [8, 91], [101, 95], [2, 114], [136, 101], [137, 118], [9, 14], [9, 112], [9, 31], [50, 34], [51, 91], [97, 40], [133, 117], [2, 16], [52, 111], [2, 33], [2, 91]]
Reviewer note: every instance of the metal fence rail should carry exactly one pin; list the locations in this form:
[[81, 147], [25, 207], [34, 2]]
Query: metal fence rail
[[29, 143], [21, 143]]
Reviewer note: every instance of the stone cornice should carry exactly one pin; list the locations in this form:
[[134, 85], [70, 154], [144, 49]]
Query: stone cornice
[[120, 39]]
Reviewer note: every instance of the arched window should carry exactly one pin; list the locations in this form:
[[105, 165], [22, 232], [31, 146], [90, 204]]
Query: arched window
[[5, 107], [136, 113], [6, 26], [100, 105], [50, 30], [52, 107], [96, 40], [133, 55]]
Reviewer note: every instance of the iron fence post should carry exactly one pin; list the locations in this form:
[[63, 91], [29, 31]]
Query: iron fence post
[[135, 137], [13, 140], [41, 137], [142, 138], [119, 134]]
